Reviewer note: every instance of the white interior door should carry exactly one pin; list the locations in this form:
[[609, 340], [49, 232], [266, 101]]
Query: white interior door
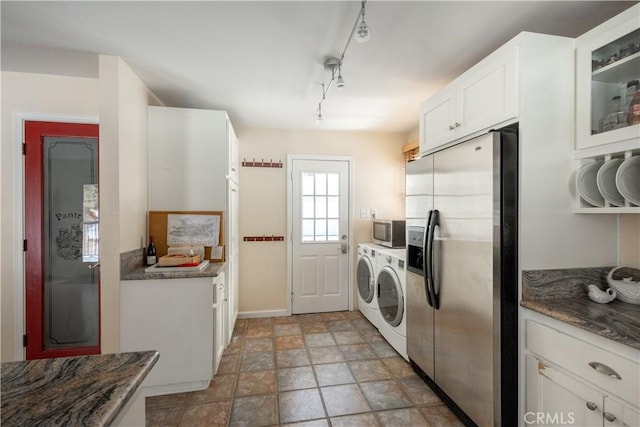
[[319, 235]]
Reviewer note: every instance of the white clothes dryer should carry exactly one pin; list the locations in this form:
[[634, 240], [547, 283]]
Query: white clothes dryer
[[366, 273], [391, 295]]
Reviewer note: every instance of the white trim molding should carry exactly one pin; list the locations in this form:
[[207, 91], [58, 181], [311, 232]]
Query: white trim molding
[[263, 313], [19, 117]]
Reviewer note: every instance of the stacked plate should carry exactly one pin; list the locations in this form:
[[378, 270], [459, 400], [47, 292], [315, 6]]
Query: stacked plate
[[614, 181], [628, 179]]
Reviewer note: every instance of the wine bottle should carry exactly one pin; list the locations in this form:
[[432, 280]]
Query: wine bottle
[[151, 252]]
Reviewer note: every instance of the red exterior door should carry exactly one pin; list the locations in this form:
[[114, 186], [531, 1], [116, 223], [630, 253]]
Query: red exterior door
[[62, 283]]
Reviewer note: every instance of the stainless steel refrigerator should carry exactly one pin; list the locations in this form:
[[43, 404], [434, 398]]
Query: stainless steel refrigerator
[[462, 327]]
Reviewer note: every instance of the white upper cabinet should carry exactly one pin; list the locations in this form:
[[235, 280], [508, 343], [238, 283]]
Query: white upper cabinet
[[190, 158], [488, 94], [437, 119], [484, 96], [607, 75]]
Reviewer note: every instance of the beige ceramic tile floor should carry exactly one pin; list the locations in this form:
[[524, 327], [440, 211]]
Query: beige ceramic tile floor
[[313, 370]]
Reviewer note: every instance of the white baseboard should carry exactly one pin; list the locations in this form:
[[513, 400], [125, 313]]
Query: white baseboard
[[262, 313], [159, 390]]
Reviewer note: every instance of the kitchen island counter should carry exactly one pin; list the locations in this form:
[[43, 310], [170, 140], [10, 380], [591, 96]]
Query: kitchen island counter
[[562, 295], [83, 390]]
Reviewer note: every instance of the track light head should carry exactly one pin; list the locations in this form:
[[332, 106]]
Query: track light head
[[363, 32]]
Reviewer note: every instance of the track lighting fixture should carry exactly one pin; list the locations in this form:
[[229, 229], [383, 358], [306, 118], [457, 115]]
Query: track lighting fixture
[[361, 32]]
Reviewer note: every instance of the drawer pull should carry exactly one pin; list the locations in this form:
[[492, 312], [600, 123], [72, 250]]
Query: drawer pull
[[609, 417], [604, 369], [591, 406]]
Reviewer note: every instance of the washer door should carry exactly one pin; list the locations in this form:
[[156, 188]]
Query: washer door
[[390, 297], [365, 279]]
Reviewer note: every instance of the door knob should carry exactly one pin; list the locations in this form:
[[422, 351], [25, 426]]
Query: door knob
[[345, 249]]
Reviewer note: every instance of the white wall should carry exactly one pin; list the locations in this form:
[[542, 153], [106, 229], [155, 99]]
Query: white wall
[[123, 163], [34, 94], [629, 240], [378, 183]]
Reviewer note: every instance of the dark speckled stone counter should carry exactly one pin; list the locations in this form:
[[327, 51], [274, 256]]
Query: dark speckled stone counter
[[562, 294], [132, 268], [74, 391]]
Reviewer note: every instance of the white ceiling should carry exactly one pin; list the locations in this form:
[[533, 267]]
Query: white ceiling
[[262, 60]]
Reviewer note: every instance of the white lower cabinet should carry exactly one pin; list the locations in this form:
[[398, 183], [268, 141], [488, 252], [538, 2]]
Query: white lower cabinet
[[174, 317], [576, 380]]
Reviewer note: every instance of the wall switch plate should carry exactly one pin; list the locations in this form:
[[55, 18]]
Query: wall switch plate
[[374, 212], [364, 213]]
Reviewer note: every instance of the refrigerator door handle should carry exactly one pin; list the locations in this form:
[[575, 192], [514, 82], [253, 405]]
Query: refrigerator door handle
[[425, 266], [433, 223]]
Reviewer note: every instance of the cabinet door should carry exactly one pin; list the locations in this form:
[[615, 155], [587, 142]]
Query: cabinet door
[[220, 322], [604, 66], [556, 398], [617, 414], [233, 270], [437, 120], [488, 94], [234, 156]]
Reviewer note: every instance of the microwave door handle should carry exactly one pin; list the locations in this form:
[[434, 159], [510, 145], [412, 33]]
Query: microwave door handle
[[435, 222], [425, 246]]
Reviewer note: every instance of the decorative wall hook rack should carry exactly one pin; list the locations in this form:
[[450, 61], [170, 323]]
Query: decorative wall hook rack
[[263, 238], [261, 164]]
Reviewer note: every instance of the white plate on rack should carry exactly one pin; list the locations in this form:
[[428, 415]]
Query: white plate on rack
[[606, 180], [587, 183], [628, 179]]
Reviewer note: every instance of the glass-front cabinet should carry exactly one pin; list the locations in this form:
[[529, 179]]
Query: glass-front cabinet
[[608, 75], [607, 136]]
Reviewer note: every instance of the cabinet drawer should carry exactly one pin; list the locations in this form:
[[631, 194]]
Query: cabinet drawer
[[613, 373]]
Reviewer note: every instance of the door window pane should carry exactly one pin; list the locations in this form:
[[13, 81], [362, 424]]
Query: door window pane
[[321, 229], [321, 184], [307, 207], [307, 230], [321, 207], [307, 184], [333, 184], [333, 229], [333, 207]]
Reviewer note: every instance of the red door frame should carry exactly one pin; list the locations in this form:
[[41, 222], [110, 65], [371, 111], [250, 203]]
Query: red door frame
[[34, 133]]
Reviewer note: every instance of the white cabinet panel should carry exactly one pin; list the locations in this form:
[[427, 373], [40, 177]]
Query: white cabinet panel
[[174, 317], [488, 95], [437, 120]]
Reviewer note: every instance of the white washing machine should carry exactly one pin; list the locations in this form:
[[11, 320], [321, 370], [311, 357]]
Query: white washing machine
[[391, 290], [366, 273]]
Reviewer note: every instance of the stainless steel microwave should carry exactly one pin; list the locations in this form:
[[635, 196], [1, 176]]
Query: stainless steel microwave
[[389, 232]]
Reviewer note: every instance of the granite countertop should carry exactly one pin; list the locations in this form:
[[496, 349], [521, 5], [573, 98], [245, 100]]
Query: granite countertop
[[562, 294], [132, 268], [83, 390]]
